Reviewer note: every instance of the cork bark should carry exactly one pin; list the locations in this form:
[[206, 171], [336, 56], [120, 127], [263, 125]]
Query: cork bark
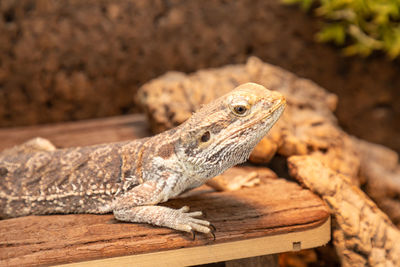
[[363, 234], [380, 172]]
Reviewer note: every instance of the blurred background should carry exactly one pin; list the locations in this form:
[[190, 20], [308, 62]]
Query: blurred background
[[73, 60]]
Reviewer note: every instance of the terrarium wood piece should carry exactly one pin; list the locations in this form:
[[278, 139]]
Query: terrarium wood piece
[[363, 234], [274, 209], [272, 217]]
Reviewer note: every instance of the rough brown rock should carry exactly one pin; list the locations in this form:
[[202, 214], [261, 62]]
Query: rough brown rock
[[363, 234]]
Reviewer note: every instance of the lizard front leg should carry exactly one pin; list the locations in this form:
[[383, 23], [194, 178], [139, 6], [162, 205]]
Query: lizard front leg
[[138, 205]]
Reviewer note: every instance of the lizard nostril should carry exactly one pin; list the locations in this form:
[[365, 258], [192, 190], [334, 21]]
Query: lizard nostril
[[205, 137]]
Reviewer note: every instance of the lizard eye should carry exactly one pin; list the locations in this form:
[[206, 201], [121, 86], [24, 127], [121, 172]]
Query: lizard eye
[[240, 109], [205, 137]]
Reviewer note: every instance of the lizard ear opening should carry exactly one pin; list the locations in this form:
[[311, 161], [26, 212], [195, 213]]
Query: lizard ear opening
[[205, 137]]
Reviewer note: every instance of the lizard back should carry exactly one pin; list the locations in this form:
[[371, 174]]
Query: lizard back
[[72, 180]]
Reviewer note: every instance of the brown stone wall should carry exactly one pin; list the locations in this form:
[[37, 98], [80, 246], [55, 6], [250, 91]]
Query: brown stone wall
[[68, 60]]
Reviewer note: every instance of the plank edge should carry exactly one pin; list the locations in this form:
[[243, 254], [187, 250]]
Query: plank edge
[[267, 245]]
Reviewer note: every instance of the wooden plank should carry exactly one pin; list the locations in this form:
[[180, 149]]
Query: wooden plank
[[80, 133], [274, 208], [279, 211], [311, 238]]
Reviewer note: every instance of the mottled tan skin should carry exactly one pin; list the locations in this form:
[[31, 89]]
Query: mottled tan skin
[[130, 178]]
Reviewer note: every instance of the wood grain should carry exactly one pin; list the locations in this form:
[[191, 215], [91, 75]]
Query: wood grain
[[273, 209], [233, 252], [277, 207], [80, 133]]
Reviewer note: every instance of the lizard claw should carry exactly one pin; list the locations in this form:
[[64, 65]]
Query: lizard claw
[[212, 230], [213, 227], [193, 235], [213, 234]]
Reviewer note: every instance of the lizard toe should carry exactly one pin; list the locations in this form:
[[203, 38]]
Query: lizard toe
[[195, 214], [187, 221], [200, 228], [184, 209]]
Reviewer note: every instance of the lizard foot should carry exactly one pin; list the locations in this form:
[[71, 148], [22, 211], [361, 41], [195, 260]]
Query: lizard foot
[[180, 219]]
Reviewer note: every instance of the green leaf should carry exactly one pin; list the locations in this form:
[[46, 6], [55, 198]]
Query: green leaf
[[362, 26], [304, 4], [357, 49], [332, 32], [391, 41]]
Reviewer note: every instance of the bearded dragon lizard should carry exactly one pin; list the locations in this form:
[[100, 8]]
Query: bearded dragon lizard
[[130, 178]]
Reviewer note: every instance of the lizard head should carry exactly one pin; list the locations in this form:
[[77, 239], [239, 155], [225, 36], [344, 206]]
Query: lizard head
[[224, 132]]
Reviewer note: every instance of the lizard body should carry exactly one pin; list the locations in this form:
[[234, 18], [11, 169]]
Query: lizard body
[[130, 178]]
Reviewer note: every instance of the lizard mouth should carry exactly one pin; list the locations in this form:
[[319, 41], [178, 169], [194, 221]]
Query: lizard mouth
[[282, 102]]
